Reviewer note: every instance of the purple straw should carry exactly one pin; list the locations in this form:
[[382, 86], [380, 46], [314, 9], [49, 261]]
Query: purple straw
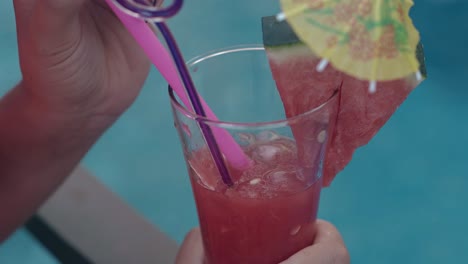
[[184, 75], [195, 100]]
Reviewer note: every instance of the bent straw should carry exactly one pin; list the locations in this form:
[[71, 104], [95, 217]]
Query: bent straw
[[164, 63], [195, 100]]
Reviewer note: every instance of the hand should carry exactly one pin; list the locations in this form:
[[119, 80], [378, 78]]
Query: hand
[[77, 58], [191, 250], [328, 248], [81, 70]]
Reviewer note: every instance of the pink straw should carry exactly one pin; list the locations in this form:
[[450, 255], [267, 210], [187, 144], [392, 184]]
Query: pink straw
[[161, 59]]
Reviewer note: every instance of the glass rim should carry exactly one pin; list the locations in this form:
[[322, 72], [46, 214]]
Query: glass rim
[[238, 125]]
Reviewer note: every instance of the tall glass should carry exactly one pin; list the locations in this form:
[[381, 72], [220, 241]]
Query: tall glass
[[268, 214]]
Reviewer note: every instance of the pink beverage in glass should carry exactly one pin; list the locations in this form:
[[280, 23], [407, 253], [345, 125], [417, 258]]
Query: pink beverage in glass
[[268, 214]]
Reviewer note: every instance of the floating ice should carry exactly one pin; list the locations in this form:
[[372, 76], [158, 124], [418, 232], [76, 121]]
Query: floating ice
[[266, 153], [267, 136]]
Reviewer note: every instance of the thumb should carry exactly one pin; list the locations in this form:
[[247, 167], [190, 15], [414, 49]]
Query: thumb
[[56, 24], [191, 251], [328, 247]]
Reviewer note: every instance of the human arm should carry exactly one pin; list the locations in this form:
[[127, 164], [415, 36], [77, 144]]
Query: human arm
[[38, 149], [81, 70]]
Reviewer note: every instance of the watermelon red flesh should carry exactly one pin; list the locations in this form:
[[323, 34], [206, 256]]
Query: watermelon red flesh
[[360, 114]]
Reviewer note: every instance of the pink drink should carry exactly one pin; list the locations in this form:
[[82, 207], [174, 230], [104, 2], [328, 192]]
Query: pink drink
[[267, 215]]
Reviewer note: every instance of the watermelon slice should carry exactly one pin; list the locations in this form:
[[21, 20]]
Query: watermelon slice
[[360, 114]]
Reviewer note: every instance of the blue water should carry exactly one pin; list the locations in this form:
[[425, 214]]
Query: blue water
[[401, 200]]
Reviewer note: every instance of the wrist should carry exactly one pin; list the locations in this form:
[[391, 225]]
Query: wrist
[[58, 122], [38, 149]]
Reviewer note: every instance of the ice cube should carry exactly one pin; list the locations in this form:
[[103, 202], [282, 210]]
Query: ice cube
[[279, 176], [267, 136], [255, 181], [246, 138], [266, 153]]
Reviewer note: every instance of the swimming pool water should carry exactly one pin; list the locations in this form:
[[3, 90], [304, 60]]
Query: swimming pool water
[[401, 200]]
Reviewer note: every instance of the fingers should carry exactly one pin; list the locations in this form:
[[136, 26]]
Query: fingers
[[327, 233], [57, 15], [325, 253], [23, 11], [54, 25], [328, 248], [191, 250], [65, 7]]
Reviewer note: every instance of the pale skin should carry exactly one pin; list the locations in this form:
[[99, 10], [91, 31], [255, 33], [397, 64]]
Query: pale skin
[[328, 248], [81, 70]]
